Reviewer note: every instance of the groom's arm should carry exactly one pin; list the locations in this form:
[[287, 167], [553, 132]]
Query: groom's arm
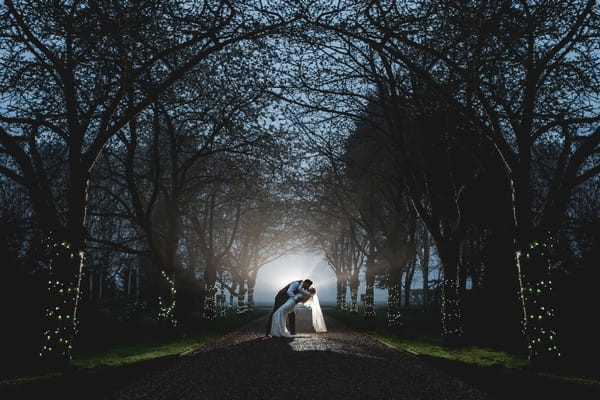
[[301, 291], [293, 286]]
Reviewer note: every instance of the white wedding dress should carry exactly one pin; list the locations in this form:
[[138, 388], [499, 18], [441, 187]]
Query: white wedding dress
[[278, 327]]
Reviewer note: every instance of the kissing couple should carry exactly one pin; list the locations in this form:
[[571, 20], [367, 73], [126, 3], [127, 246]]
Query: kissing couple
[[294, 293]]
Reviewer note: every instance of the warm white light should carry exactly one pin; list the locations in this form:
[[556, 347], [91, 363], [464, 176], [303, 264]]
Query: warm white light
[[275, 275]]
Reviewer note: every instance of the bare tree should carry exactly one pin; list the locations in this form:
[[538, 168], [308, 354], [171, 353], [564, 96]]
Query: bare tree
[[523, 73], [76, 74]]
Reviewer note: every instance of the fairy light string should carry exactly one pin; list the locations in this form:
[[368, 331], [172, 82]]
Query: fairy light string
[[221, 303], [250, 304], [354, 301], [539, 319], [63, 293], [340, 304], [452, 326], [166, 307], [369, 301], [210, 306], [394, 315], [242, 308]]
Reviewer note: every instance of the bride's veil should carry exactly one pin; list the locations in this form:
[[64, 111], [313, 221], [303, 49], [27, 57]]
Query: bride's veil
[[317, 315]]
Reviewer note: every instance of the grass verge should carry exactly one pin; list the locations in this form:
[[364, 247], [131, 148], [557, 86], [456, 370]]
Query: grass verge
[[493, 370], [132, 354], [146, 351]]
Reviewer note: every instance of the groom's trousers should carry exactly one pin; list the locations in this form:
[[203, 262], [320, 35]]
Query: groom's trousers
[[280, 299]]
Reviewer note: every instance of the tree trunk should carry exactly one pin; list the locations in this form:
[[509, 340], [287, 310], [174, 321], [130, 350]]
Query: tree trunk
[[209, 310], [408, 278], [354, 296], [66, 245], [536, 298], [233, 294], [220, 303], [340, 303], [370, 285], [394, 298], [451, 306], [345, 295], [535, 285], [66, 262], [251, 284], [242, 308], [166, 300], [425, 270], [475, 262]]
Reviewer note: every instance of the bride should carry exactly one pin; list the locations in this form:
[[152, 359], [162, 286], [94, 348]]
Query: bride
[[278, 327]]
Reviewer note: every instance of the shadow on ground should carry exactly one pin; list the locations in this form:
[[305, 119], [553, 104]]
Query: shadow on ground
[[288, 368], [340, 364]]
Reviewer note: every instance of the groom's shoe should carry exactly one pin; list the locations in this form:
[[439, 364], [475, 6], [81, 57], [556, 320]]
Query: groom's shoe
[[293, 333]]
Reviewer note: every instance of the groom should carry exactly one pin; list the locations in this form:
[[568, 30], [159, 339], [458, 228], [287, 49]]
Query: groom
[[295, 289]]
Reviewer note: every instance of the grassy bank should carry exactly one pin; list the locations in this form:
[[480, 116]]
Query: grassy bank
[[491, 369], [149, 350]]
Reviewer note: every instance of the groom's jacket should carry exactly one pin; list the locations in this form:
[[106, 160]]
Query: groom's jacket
[[290, 287], [294, 289]]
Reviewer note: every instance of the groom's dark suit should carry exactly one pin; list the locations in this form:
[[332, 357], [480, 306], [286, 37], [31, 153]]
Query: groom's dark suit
[[281, 297]]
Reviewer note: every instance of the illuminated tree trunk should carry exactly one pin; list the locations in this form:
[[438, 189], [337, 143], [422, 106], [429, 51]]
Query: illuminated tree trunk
[[242, 308], [251, 284], [370, 284], [66, 248], [340, 303], [353, 277], [370, 297], [232, 294], [354, 295], [166, 301], [166, 286], [535, 292], [66, 261], [394, 314], [451, 305], [533, 269], [221, 303], [209, 310], [538, 312], [394, 306]]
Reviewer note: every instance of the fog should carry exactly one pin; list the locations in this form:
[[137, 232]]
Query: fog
[[275, 275]]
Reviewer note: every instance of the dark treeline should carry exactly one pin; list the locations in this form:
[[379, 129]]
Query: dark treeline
[[155, 156], [142, 166], [471, 138]]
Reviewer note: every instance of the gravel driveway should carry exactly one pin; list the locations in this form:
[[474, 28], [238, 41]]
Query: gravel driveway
[[339, 364]]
